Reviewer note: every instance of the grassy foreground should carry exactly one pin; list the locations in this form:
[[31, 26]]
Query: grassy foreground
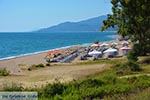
[[124, 80]]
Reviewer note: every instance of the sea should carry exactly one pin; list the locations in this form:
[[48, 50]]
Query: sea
[[16, 44]]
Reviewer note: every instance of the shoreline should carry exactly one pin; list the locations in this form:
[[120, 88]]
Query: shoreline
[[45, 51], [39, 52], [20, 51], [17, 64]]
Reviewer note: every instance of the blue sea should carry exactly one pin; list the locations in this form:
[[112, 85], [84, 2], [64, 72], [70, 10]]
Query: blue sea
[[20, 44]]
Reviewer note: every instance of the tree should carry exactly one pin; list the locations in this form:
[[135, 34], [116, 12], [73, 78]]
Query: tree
[[133, 19]]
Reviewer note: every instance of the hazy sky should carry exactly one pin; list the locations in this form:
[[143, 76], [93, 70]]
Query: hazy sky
[[29, 15]]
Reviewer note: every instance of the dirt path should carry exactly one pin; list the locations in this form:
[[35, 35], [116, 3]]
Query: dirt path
[[136, 75], [62, 73]]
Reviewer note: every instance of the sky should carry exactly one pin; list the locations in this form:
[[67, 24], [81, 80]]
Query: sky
[[31, 15]]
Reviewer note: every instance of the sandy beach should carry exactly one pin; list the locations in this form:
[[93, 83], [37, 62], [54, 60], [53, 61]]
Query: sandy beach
[[62, 73], [57, 71], [15, 64]]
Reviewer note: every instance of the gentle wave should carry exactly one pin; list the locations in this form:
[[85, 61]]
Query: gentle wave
[[28, 54], [17, 45]]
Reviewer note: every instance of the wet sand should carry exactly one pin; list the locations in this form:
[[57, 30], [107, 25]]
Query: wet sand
[[15, 64]]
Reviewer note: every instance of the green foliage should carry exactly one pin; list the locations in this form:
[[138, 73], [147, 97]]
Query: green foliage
[[133, 66], [146, 60], [109, 79], [126, 68], [91, 83], [53, 89], [36, 66], [133, 20], [40, 65], [119, 72], [4, 72], [101, 61], [12, 87], [132, 55], [99, 88], [137, 95], [106, 85], [48, 64]]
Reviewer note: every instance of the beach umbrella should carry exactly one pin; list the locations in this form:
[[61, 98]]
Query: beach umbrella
[[125, 48], [104, 44], [114, 43], [53, 51], [94, 52], [125, 42], [94, 45], [110, 50]]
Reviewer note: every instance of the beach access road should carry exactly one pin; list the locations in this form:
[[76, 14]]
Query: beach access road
[[61, 73]]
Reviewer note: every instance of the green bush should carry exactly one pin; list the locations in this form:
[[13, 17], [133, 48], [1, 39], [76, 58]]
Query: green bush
[[146, 60], [109, 79], [4, 72], [52, 89], [107, 85], [137, 50], [36, 66], [120, 72], [91, 83], [40, 65], [132, 56], [133, 66], [126, 68]]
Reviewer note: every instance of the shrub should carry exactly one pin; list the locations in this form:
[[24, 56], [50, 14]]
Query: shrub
[[36, 66], [145, 61], [133, 66], [48, 64], [119, 72], [12, 87], [132, 56], [107, 85], [40, 65], [91, 83], [29, 69], [4, 72], [52, 89], [110, 79]]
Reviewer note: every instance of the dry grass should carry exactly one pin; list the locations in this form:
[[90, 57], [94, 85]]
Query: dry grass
[[62, 73]]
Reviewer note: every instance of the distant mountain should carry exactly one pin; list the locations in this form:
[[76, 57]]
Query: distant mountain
[[92, 24]]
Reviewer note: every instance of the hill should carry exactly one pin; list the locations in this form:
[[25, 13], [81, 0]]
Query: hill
[[92, 24]]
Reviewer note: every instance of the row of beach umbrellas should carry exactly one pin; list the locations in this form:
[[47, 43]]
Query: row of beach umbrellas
[[105, 44], [110, 50], [95, 52], [96, 45]]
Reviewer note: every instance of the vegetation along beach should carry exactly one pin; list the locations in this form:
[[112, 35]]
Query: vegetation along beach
[[75, 50]]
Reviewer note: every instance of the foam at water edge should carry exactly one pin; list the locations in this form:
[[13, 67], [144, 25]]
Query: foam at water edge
[[28, 54]]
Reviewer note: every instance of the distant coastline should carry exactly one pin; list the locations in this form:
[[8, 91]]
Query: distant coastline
[[89, 25]]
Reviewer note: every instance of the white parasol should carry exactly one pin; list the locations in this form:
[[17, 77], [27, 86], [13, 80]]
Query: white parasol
[[94, 52]]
